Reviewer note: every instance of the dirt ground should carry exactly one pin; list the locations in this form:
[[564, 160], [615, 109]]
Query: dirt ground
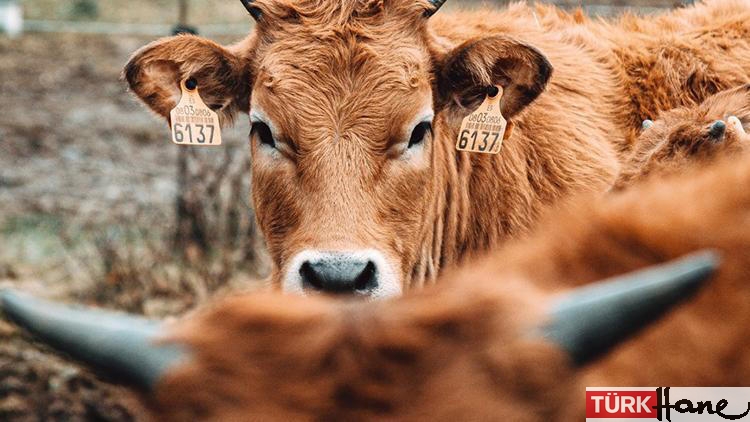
[[87, 191]]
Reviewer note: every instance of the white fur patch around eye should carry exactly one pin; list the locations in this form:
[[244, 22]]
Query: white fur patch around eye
[[257, 115], [416, 151], [426, 115]]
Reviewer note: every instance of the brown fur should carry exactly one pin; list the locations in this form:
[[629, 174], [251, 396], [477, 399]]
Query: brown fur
[[466, 350], [681, 137], [340, 79]]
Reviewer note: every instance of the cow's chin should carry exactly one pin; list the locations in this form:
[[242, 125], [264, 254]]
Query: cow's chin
[[365, 273]]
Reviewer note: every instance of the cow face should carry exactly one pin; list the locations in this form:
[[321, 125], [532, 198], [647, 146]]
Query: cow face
[[354, 109]]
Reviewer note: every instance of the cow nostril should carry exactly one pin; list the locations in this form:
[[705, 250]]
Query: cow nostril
[[310, 276], [366, 279], [336, 274]]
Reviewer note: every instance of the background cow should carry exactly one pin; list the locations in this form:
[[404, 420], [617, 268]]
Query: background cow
[[484, 344], [355, 108], [687, 136]]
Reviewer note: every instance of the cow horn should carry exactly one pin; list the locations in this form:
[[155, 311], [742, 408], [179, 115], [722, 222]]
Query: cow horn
[[253, 10], [717, 129], [737, 124], [436, 4], [590, 320], [118, 344]]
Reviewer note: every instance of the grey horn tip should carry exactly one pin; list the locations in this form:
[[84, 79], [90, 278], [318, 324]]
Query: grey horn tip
[[118, 344], [436, 5], [717, 129], [592, 319], [254, 11]]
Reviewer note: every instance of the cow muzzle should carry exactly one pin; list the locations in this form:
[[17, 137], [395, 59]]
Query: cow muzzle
[[354, 272]]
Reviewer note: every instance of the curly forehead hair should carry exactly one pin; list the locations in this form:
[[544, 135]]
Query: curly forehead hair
[[344, 60], [336, 13], [347, 35]]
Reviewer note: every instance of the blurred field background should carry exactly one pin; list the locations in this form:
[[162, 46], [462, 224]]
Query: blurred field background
[[97, 205]]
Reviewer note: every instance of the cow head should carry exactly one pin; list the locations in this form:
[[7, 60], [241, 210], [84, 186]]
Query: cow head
[[689, 136], [354, 108]]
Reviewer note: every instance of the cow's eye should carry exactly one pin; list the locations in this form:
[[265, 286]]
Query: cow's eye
[[263, 132], [419, 132]]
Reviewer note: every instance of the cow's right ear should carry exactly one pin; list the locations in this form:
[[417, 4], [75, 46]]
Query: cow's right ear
[[464, 74], [156, 70]]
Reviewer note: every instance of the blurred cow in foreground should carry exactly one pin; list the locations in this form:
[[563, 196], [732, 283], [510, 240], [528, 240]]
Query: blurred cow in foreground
[[355, 107], [510, 337]]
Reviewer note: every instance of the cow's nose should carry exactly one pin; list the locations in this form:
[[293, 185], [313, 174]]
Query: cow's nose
[[339, 273]]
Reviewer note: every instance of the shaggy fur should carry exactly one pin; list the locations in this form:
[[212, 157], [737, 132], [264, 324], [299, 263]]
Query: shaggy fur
[[682, 137], [341, 80], [466, 349]]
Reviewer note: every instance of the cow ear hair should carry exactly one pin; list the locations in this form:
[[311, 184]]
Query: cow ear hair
[[155, 71], [464, 74]]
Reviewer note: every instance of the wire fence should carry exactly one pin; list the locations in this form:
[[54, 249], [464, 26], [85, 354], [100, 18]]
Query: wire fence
[[137, 17], [118, 28]]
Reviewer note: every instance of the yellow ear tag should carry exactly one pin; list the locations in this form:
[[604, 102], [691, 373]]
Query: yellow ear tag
[[193, 123], [484, 129]]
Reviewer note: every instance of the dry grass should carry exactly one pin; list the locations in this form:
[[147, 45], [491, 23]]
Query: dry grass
[[87, 193], [140, 11]]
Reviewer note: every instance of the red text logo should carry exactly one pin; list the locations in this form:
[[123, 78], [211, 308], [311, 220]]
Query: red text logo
[[620, 404]]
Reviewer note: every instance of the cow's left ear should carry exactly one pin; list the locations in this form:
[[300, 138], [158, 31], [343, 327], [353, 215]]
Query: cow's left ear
[[465, 73], [155, 72]]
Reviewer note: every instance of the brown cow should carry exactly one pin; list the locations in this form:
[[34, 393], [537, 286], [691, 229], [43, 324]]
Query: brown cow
[[463, 351], [687, 136], [481, 346], [355, 107]]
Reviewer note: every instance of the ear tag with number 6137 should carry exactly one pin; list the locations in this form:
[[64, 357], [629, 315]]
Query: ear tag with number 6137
[[484, 129], [193, 123]]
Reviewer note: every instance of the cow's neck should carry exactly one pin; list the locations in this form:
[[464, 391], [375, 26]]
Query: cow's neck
[[480, 200], [567, 141]]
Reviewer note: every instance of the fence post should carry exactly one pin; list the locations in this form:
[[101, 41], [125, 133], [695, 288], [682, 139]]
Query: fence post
[[11, 18], [212, 209], [182, 26]]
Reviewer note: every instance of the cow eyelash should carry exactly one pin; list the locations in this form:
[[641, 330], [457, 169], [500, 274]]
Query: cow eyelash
[[419, 132], [264, 133]]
